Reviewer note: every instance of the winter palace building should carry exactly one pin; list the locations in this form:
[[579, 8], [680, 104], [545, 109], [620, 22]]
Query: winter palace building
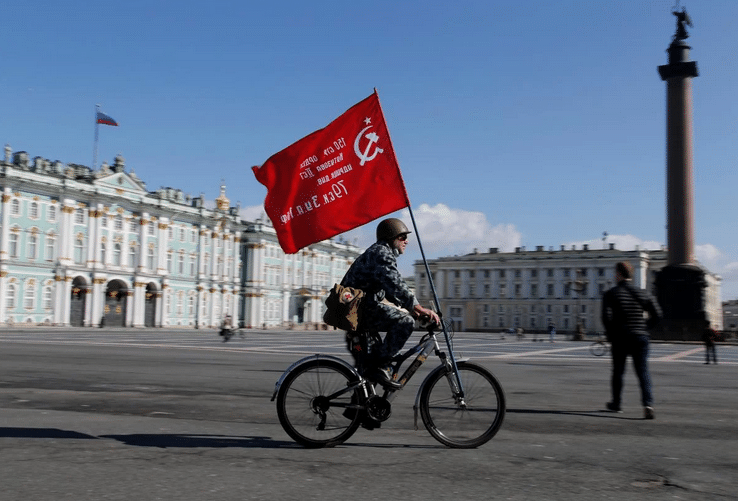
[[83, 247]]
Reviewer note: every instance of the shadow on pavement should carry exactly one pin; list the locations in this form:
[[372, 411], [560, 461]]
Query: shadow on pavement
[[165, 441], [42, 433], [594, 414]]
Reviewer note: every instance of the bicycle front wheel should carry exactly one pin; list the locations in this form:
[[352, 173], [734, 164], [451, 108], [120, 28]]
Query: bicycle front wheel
[[314, 406], [598, 348], [468, 422]]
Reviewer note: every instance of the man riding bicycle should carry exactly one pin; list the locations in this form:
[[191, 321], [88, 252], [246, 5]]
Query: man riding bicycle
[[375, 272]]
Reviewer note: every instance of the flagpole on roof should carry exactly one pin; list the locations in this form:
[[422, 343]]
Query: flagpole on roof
[[94, 150]]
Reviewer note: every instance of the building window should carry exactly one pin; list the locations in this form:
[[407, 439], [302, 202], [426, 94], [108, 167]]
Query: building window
[[132, 256], [79, 216], [79, 250], [102, 253], [169, 262], [51, 214], [150, 259], [29, 297], [15, 207], [151, 228], [133, 224], [180, 264], [48, 300], [10, 297], [50, 245], [550, 289], [33, 212], [32, 247], [13, 244], [119, 222], [117, 251], [533, 290]]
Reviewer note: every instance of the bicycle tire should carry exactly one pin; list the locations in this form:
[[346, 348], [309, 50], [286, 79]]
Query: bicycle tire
[[304, 413], [478, 421], [598, 348]]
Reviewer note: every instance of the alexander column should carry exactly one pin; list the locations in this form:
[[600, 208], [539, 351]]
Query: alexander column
[[680, 285]]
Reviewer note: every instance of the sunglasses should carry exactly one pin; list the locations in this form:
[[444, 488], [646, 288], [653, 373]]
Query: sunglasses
[[402, 238]]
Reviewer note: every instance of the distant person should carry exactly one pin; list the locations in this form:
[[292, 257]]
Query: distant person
[[552, 333], [624, 308], [709, 336]]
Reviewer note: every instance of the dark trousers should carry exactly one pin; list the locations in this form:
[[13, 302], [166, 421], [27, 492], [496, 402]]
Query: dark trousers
[[398, 325], [637, 347], [710, 349]]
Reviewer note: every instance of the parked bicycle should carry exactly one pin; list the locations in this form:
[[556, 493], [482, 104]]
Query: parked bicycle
[[322, 399], [599, 347]]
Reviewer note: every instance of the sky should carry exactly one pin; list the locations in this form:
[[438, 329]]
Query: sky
[[515, 123]]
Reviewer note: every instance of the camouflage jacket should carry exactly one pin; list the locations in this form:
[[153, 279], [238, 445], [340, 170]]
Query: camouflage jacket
[[375, 272]]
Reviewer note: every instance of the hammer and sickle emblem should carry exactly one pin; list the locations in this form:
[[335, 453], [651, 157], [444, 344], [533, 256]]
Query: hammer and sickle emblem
[[373, 138]]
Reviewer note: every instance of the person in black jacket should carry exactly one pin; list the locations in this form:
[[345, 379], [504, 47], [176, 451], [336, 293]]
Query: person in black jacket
[[624, 310]]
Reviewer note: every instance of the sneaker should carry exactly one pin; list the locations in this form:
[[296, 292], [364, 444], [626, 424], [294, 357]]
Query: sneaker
[[383, 376], [613, 408], [648, 413]]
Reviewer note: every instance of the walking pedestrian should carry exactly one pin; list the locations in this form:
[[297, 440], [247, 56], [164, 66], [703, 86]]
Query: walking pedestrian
[[552, 333], [626, 328], [710, 337]]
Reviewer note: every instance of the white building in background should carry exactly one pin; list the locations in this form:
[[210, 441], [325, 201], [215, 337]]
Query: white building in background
[[289, 288], [88, 248], [534, 289]]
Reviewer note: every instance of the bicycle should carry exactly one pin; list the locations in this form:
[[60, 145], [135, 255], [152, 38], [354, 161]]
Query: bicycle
[[227, 334], [322, 399], [599, 347]]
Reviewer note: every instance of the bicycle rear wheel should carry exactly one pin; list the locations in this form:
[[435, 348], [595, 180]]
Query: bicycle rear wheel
[[468, 423], [314, 407]]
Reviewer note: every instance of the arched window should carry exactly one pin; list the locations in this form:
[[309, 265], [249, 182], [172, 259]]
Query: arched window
[[79, 216], [51, 213], [180, 264], [15, 207], [103, 252], [33, 211]]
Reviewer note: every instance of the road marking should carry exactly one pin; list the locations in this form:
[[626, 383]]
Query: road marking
[[678, 355], [541, 352]]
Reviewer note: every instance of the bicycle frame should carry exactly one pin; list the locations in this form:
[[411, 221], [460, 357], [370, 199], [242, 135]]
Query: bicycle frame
[[427, 344]]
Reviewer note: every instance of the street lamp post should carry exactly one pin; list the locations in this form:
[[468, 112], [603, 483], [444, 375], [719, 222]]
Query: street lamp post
[[579, 285]]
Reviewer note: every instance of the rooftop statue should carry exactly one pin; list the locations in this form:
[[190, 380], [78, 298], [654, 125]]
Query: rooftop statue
[[683, 20]]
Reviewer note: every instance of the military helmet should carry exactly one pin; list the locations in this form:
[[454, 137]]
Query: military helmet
[[391, 228]]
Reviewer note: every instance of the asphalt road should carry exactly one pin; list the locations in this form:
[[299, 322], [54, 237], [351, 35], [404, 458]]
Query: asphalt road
[[96, 414]]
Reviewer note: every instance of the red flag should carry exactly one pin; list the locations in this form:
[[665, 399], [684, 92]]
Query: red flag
[[102, 118], [335, 179]]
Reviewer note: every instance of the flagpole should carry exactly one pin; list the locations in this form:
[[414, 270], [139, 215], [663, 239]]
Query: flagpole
[[436, 302], [94, 150]]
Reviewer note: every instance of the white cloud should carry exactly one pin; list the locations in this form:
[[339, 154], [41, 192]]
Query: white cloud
[[252, 213], [444, 231]]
